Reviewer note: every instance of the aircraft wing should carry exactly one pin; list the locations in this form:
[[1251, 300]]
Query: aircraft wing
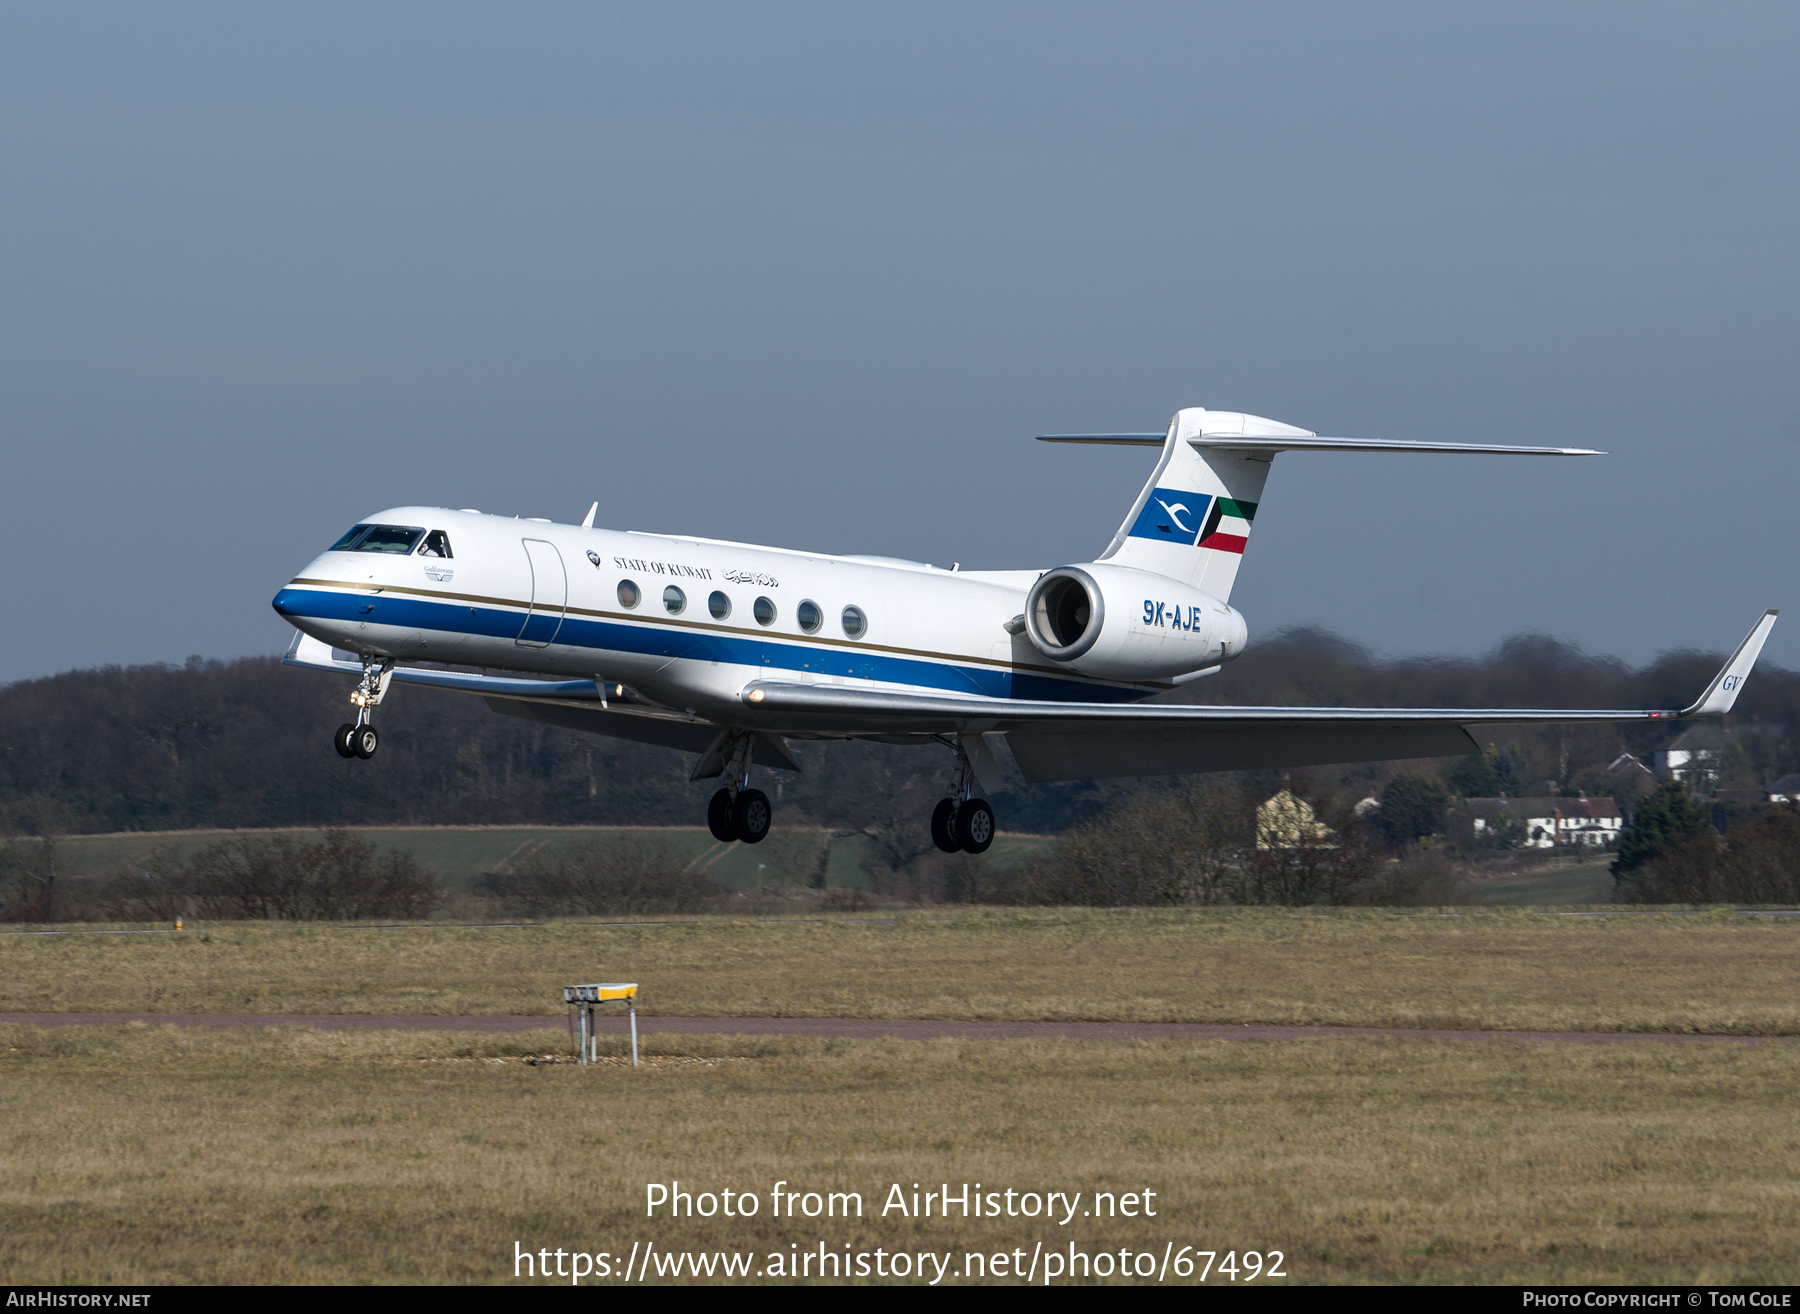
[[1077, 741], [1050, 740]]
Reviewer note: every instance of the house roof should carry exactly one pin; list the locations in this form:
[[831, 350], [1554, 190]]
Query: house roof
[[1700, 738], [1786, 785], [1521, 809]]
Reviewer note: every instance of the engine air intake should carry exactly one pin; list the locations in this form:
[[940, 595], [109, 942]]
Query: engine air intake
[[1064, 613]]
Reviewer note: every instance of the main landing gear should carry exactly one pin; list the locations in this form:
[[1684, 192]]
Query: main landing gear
[[962, 823], [738, 812], [358, 738]]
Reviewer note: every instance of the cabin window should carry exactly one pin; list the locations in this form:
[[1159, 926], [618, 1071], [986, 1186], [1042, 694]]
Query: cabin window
[[436, 544], [855, 623], [765, 611], [719, 605], [629, 596], [809, 616], [674, 600], [397, 539]]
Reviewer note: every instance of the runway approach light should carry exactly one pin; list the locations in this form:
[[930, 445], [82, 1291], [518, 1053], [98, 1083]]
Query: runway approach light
[[583, 998]]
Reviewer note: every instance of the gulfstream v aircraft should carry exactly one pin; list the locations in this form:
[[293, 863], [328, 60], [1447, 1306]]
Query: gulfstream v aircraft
[[730, 651]]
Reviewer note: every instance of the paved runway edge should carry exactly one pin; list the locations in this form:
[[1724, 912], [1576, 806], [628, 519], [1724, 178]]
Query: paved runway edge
[[858, 1028]]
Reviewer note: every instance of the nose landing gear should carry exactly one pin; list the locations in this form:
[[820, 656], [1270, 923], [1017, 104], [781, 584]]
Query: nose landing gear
[[738, 812], [358, 738], [962, 823]]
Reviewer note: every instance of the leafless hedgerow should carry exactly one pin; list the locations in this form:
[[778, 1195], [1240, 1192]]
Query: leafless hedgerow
[[629, 877], [1202, 845], [1758, 862], [1419, 878], [341, 877]]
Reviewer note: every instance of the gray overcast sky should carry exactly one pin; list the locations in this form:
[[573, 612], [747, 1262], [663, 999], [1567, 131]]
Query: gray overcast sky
[[814, 275]]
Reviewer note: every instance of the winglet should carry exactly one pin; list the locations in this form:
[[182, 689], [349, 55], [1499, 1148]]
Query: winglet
[[587, 521], [1724, 689]]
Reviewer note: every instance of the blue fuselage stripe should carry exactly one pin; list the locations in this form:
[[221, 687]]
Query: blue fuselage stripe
[[653, 640]]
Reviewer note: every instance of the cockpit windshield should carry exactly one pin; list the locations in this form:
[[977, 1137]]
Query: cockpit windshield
[[397, 539]]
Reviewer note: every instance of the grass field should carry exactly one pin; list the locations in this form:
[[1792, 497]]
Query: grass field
[[790, 856], [1480, 968], [1558, 883], [140, 1155]]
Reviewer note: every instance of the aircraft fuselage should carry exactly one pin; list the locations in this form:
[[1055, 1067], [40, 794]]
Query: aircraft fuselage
[[708, 616]]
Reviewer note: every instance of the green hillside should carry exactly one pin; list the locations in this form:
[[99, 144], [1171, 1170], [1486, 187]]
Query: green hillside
[[459, 854]]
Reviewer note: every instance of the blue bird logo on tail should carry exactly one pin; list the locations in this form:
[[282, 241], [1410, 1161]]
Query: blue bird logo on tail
[[1179, 506]]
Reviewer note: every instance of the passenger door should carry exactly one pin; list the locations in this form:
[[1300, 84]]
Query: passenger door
[[549, 594]]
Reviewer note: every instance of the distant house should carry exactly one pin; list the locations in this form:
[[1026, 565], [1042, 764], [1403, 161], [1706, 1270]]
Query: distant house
[[1544, 823], [1785, 790], [1693, 757], [1286, 822]]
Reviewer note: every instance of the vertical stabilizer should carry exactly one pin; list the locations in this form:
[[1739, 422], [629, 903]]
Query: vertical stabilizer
[[1192, 521]]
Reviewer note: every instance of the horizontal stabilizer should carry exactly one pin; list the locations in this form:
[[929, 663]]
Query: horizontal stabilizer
[[1233, 442], [1245, 443], [1106, 439]]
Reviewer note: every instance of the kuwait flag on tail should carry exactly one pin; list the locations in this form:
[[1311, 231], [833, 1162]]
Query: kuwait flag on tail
[[1194, 520], [1227, 528]]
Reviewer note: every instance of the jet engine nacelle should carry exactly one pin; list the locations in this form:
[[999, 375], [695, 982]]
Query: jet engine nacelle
[[1118, 623]]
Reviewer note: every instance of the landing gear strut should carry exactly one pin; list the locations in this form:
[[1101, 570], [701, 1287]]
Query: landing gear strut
[[358, 738], [738, 812], [962, 823]]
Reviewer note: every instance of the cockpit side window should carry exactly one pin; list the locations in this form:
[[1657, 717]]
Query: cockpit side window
[[348, 541], [436, 544], [397, 539]]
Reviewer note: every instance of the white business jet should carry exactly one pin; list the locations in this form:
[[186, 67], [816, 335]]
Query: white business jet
[[730, 650]]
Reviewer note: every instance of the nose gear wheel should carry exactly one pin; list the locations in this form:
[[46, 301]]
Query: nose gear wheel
[[358, 738]]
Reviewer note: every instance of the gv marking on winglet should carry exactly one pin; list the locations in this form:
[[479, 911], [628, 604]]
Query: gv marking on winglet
[[730, 650]]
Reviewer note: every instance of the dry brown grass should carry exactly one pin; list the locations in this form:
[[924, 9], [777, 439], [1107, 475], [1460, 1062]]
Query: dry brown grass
[[1492, 968], [149, 1155]]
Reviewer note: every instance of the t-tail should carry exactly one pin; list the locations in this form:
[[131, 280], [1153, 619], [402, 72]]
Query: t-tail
[[1192, 520]]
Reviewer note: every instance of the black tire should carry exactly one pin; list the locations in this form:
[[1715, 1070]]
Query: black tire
[[718, 817], [975, 825], [341, 740], [365, 741], [943, 826], [751, 816]]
